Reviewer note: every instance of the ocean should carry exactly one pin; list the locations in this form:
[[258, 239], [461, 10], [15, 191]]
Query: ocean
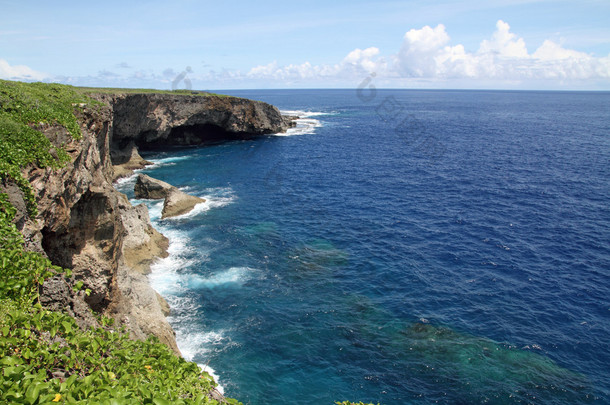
[[398, 247]]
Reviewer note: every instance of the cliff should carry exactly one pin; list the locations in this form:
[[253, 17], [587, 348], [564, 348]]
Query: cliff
[[84, 224], [152, 121]]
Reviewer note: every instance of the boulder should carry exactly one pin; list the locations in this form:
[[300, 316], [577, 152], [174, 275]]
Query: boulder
[[179, 203], [147, 187]]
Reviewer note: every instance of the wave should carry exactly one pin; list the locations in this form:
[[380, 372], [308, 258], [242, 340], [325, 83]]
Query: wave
[[170, 161], [206, 368], [175, 276], [196, 344], [214, 198], [231, 277], [305, 124], [211, 201], [306, 114], [127, 182]]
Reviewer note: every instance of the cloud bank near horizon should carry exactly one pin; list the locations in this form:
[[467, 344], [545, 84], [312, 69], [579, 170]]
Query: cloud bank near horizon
[[20, 72], [426, 53], [425, 57]]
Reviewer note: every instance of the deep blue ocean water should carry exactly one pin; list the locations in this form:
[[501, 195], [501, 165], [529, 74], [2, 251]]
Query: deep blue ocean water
[[401, 247]]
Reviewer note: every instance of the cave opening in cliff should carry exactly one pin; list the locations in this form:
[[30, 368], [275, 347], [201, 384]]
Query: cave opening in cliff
[[193, 135]]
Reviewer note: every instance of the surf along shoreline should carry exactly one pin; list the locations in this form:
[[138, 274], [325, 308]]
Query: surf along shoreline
[[128, 175]]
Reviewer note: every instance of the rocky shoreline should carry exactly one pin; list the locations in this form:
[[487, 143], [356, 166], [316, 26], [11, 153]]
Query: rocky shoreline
[[85, 224]]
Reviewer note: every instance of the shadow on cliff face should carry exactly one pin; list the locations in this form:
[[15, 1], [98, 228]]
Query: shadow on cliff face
[[88, 244], [204, 134], [189, 135]]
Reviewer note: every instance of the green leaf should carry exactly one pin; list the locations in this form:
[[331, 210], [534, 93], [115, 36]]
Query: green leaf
[[10, 361], [67, 326], [33, 391]]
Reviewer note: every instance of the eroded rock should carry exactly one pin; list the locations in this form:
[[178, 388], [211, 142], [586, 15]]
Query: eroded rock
[[179, 203], [142, 244], [126, 160], [86, 225], [150, 188], [156, 120]]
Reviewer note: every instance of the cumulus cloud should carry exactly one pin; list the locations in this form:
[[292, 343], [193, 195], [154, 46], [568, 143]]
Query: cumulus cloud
[[504, 43], [19, 72], [426, 53], [357, 63]]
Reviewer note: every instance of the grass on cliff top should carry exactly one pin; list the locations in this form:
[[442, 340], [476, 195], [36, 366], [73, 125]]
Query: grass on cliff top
[[180, 92]]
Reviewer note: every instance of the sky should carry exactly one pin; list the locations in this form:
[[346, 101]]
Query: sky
[[267, 44]]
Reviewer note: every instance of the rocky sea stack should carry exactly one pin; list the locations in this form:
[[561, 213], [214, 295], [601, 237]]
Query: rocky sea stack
[[176, 202]]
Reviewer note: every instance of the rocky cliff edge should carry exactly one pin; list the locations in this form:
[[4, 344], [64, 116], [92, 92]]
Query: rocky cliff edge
[[86, 225]]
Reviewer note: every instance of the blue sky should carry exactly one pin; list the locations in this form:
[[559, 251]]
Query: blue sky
[[504, 44]]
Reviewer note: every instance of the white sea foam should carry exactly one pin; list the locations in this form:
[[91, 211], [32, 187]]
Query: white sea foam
[[193, 344], [127, 182], [170, 161], [305, 114], [155, 207], [214, 198], [235, 276], [212, 372], [170, 275], [305, 124], [174, 275]]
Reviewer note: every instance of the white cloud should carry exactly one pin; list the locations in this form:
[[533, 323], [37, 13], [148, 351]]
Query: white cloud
[[504, 43], [19, 72], [426, 53], [357, 63], [419, 51]]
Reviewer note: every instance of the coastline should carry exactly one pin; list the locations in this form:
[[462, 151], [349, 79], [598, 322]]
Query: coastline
[[304, 124], [82, 223]]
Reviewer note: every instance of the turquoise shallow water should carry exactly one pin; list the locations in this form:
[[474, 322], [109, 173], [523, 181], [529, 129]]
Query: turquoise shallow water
[[412, 247]]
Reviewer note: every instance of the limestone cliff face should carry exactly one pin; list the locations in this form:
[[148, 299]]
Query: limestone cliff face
[[78, 222], [158, 120], [86, 225]]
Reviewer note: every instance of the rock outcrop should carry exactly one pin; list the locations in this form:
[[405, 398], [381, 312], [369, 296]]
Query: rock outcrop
[[179, 203], [176, 202], [86, 225], [142, 243], [149, 188], [159, 120], [131, 160]]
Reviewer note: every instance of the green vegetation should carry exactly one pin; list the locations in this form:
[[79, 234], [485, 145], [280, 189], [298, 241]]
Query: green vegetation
[[110, 90], [45, 358], [22, 107]]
